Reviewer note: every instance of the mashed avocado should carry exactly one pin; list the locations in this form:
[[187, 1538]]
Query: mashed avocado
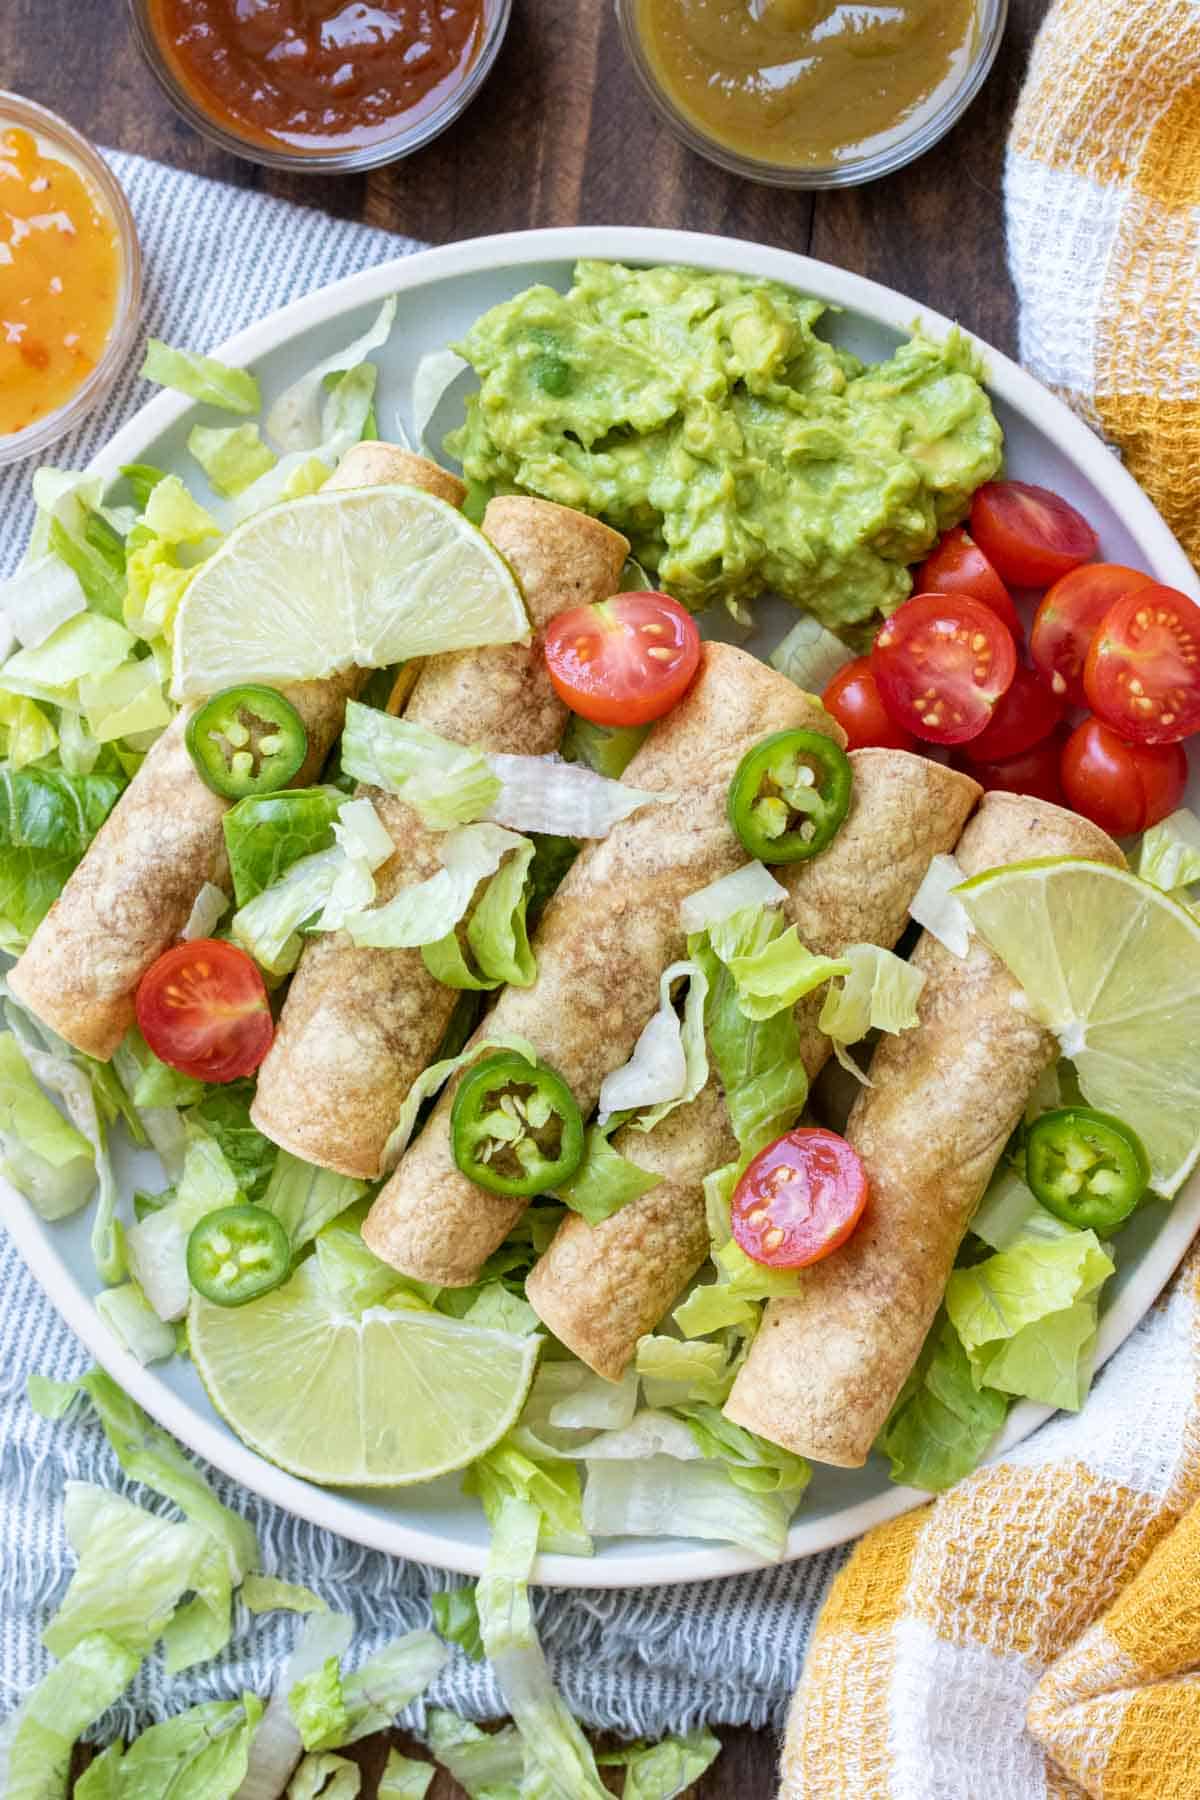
[[702, 416]]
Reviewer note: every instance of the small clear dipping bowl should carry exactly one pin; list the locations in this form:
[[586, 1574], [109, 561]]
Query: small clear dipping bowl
[[887, 152], [345, 159], [61, 140]]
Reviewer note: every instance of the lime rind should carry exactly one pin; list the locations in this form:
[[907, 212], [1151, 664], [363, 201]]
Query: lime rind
[[352, 578], [1111, 965], [387, 1398]]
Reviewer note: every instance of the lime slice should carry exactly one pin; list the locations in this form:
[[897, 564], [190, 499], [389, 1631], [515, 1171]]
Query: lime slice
[[358, 577], [1112, 967], [381, 1400]]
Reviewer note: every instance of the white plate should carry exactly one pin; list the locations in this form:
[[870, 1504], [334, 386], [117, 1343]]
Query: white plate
[[440, 293]]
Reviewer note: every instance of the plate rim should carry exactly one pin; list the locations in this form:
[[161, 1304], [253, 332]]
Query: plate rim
[[33, 1237]]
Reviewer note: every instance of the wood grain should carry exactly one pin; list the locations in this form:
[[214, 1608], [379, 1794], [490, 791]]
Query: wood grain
[[561, 135]]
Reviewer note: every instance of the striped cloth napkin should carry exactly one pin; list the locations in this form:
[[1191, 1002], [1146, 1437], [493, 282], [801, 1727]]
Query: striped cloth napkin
[[642, 1662], [1035, 1634]]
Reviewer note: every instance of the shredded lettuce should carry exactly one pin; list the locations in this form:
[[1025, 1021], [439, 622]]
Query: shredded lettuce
[[1027, 1316], [201, 377], [305, 1199], [133, 1569], [295, 420], [444, 783], [1010, 1212], [320, 891], [662, 1771], [1169, 856], [436, 1076], [224, 1113], [456, 1618], [232, 456], [663, 1496], [771, 968], [605, 1181], [86, 647], [37, 1740], [937, 908], [349, 1270], [810, 656], [331, 1708], [276, 1747], [879, 993], [674, 1372], [135, 1324], [669, 1065], [547, 1482], [345, 415], [552, 1738], [208, 909], [748, 888], [157, 1244], [606, 749], [201, 1754], [757, 1059], [44, 1156], [26, 734], [266, 833], [752, 1462], [433, 377], [942, 1422], [404, 1778], [43, 594], [330, 1777], [267, 1593], [546, 794], [488, 1765]]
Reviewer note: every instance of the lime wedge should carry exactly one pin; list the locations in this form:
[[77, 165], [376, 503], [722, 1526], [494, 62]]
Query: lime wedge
[[382, 1400], [1112, 967], [358, 577]]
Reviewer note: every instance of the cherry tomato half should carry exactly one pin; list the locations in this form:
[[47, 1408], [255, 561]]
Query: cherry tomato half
[[623, 661], [1121, 787], [1023, 716], [1034, 771], [1068, 618], [1030, 535], [1142, 674], [958, 566], [203, 1009], [854, 700], [942, 661], [799, 1199]]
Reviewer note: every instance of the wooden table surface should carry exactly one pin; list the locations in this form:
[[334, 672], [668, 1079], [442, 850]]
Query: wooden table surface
[[562, 136]]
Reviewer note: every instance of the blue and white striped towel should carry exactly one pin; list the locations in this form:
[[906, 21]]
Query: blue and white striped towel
[[643, 1661]]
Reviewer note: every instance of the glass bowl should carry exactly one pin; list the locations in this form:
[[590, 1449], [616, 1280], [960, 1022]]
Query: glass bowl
[[344, 161], [65, 142], [911, 140]]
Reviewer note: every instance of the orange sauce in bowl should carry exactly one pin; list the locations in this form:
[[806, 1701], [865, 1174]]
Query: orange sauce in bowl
[[60, 279]]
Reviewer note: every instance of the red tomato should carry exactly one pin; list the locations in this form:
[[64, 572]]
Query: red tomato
[[942, 661], [202, 1007], [958, 566], [1025, 715], [854, 700], [1142, 674], [1068, 619], [1031, 535], [1121, 787], [623, 661], [1032, 772], [799, 1199]]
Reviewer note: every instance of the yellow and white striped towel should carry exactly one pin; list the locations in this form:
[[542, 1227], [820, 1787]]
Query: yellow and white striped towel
[[1035, 1634]]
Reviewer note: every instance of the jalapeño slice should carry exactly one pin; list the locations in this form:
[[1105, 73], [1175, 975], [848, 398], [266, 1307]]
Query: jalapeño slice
[[515, 1127], [1087, 1168], [790, 795], [237, 1253], [247, 740]]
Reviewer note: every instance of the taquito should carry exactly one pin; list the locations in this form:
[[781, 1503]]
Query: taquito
[[600, 1287], [359, 1024], [603, 943], [133, 892], [826, 1367]]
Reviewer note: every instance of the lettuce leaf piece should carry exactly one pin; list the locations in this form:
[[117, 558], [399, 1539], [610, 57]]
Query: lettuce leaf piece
[[349, 1269], [771, 968], [607, 750], [126, 702], [753, 1463], [44, 1156], [1169, 855], [175, 516], [331, 1709], [428, 912], [43, 594], [266, 833], [133, 1568], [232, 456], [937, 908], [1009, 1213], [663, 1770], [269, 926], [456, 1618], [746, 890], [201, 377], [942, 1422], [404, 1778], [879, 993], [135, 1324], [605, 1181], [547, 1483], [267, 1593], [488, 1765], [157, 1244], [47, 821], [675, 1372], [445, 784], [669, 1064], [553, 1740], [810, 656], [26, 734], [493, 1307], [433, 377], [201, 1754], [276, 1747], [330, 1777], [143, 478], [436, 1076], [497, 930], [295, 420], [305, 1199], [545, 794], [37, 1740], [758, 1060], [224, 1113], [713, 1307], [654, 1496], [86, 645], [155, 584]]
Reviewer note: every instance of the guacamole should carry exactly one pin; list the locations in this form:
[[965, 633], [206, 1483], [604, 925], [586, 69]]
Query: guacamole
[[738, 451]]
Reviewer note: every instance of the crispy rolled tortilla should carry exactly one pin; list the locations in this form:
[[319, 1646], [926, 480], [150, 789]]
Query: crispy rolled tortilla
[[133, 892], [826, 1366], [600, 1287], [603, 943], [359, 1025]]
